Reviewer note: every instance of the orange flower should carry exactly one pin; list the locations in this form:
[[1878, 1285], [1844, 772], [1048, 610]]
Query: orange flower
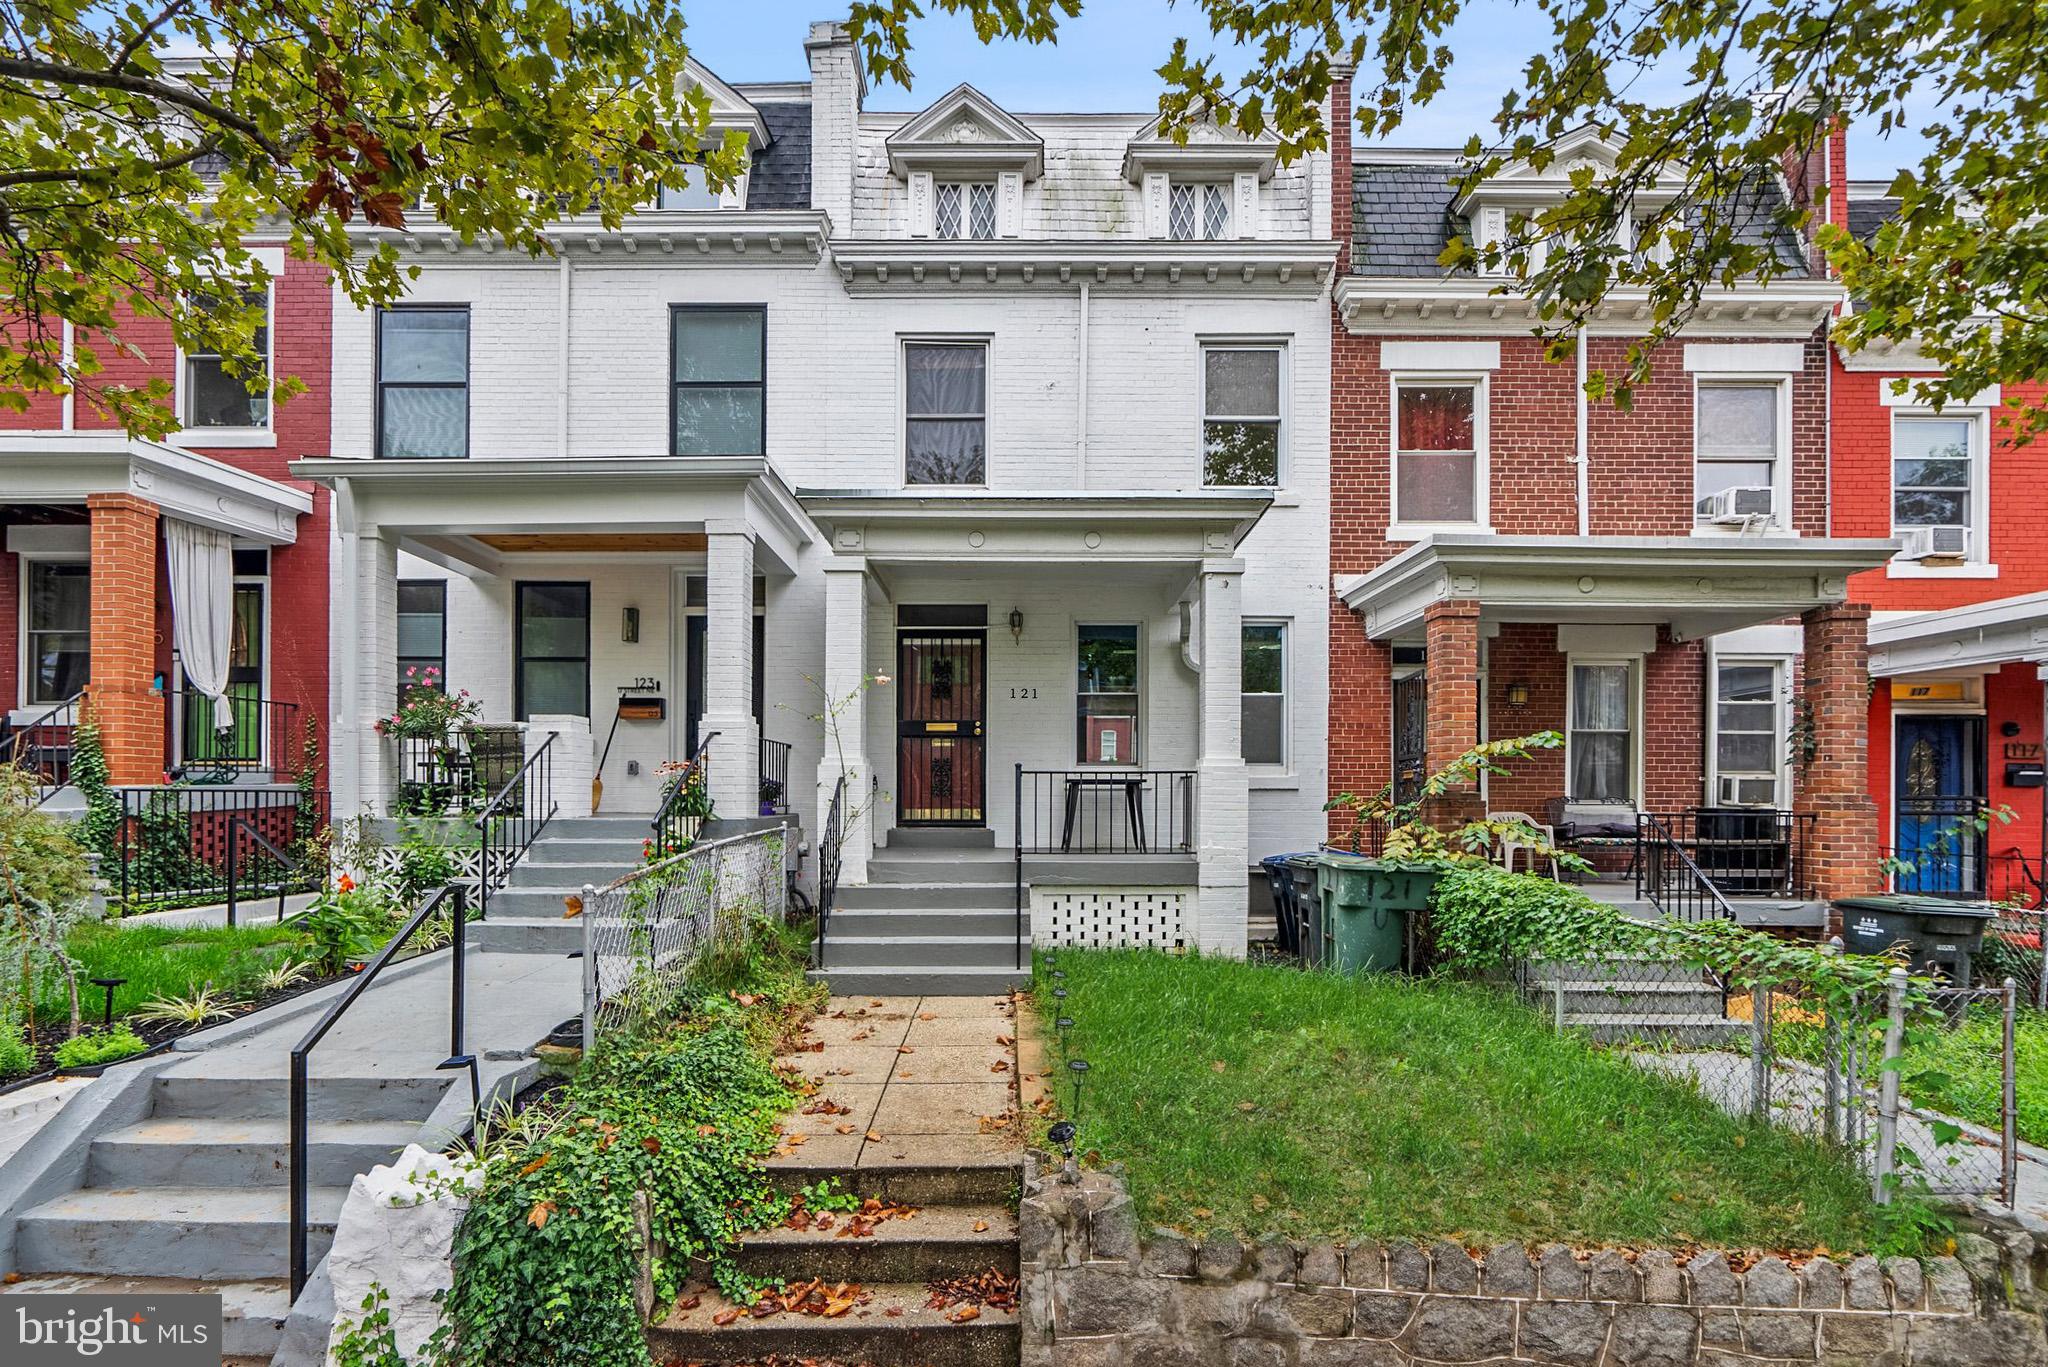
[[346, 883]]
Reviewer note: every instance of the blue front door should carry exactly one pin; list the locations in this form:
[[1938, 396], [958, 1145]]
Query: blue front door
[[1939, 787]]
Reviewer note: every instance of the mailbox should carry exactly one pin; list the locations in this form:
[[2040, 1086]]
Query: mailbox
[[642, 707]]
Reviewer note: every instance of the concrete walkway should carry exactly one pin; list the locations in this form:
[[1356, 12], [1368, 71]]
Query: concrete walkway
[[249, 911]]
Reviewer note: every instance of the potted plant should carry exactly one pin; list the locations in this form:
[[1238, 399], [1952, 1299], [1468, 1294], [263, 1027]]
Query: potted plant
[[771, 796], [428, 725]]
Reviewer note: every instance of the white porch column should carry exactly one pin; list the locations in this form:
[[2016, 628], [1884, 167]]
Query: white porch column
[[729, 671], [365, 655], [1223, 828], [846, 707]]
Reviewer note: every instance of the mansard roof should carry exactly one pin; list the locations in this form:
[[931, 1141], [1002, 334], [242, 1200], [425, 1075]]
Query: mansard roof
[[781, 177], [964, 129]]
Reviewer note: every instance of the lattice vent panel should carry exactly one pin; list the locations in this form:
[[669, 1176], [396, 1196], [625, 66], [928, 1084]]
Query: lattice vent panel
[[1106, 917]]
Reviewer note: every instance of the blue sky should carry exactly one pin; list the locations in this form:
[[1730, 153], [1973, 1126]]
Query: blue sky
[[1106, 60]]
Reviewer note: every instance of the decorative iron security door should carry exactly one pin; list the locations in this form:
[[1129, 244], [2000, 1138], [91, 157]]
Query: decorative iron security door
[[1411, 736], [941, 712]]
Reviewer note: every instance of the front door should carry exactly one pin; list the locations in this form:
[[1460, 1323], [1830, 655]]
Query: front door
[[941, 712], [1940, 795], [242, 746], [1411, 735]]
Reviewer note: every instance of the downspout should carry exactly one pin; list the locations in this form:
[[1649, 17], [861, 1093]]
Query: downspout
[[70, 404], [562, 359], [1579, 457], [1081, 389]]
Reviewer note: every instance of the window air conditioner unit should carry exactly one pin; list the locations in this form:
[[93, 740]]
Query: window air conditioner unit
[[1747, 790], [1934, 543], [1743, 504]]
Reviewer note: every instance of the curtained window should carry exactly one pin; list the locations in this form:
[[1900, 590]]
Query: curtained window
[[945, 412], [1735, 439], [1600, 743], [59, 629], [1436, 461]]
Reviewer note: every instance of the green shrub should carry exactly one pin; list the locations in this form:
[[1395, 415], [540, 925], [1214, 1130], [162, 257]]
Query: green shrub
[[95, 1047], [16, 1057]]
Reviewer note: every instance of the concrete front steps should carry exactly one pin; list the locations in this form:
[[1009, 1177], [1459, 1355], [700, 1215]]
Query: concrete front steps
[[1616, 1000], [937, 917], [252, 1312], [571, 853]]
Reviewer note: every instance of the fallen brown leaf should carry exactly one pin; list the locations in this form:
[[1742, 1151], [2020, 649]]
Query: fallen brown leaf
[[538, 1216]]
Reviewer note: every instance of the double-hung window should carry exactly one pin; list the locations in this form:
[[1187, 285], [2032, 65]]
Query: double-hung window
[[214, 398], [1197, 213], [554, 650], [1106, 708], [1241, 416], [59, 629], [1747, 739], [1600, 742], [1738, 462], [422, 635], [945, 412], [1436, 452], [423, 382], [1264, 706], [964, 209], [718, 377], [1930, 472]]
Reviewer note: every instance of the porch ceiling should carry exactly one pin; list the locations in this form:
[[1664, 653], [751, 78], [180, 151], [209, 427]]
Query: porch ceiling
[[970, 527], [1696, 585], [1981, 636], [66, 467], [477, 509]]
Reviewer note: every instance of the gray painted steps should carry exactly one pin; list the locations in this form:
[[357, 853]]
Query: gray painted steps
[[892, 1328], [939, 838], [859, 921], [252, 1312], [509, 933], [928, 982], [935, 894], [193, 1152], [202, 1095], [210, 1233], [849, 951]]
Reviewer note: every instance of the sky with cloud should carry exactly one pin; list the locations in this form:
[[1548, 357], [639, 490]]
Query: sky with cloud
[[1107, 59]]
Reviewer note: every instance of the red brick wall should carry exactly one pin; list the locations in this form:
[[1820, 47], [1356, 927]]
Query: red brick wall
[[1526, 653], [1674, 722], [1845, 856], [125, 642]]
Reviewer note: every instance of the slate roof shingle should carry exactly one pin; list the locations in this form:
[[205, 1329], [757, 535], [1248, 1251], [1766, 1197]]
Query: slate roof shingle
[[1866, 216], [781, 177]]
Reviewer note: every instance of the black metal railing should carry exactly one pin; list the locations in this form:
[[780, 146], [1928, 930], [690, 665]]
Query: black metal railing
[[774, 777], [241, 833], [830, 842], [458, 1056], [682, 807], [2014, 878], [182, 844], [1941, 846], [1743, 851], [262, 738], [42, 746], [1105, 811], [1667, 875], [513, 818]]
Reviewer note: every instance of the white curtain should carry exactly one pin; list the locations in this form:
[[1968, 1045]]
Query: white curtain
[[202, 570]]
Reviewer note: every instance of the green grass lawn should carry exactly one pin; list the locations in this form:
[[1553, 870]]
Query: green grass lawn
[[1956, 1071], [165, 961], [1266, 1100]]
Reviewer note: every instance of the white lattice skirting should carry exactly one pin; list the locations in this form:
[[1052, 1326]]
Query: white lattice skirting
[[389, 859], [1103, 918]]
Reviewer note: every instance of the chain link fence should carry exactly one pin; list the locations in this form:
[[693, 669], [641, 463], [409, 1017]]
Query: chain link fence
[[1941, 1118], [644, 933], [2016, 947]]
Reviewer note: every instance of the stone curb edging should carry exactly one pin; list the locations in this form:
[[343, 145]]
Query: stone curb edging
[[1096, 1294]]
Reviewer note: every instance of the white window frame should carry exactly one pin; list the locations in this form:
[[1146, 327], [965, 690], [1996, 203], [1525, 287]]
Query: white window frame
[[907, 340], [1977, 564], [1781, 523], [1283, 401], [1143, 627], [1480, 381], [1199, 189], [181, 388], [1286, 694], [1781, 695], [25, 654], [966, 189], [1635, 664]]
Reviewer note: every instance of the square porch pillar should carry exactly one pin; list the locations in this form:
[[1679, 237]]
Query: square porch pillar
[[1835, 782], [1223, 798], [1451, 669], [735, 778], [125, 705], [845, 708], [364, 654]]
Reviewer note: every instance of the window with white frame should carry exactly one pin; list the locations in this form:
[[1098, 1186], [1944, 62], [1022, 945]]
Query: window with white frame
[[945, 412], [964, 209], [1600, 737], [1738, 452], [216, 398], [1106, 694], [1241, 416], [1197, 213], [1931, 471], [1437, 431], [1748, 733], [1264, 707], [57, 629]]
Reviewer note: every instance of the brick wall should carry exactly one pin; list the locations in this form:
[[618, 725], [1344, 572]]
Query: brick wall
[[1834, 783], [124, 639]]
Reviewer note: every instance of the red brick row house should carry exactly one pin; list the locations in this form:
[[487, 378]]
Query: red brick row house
[[1661, 586], [88, 521]]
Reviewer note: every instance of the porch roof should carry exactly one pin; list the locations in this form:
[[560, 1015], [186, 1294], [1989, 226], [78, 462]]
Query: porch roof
[[1696, 585], [1980, 636], [66, 467], [996, 526], [457, 509]]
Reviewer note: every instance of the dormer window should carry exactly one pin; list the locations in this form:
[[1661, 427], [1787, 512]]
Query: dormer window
[[1197, 213], [964, 164], [1203, 189], [964, 209]]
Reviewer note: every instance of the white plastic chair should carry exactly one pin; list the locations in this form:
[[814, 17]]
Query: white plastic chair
[[1529, 852]]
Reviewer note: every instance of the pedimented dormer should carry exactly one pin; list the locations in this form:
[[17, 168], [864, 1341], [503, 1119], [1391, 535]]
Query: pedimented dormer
[[1522, 188], [965, 160], [730, 110], [1203, 189]]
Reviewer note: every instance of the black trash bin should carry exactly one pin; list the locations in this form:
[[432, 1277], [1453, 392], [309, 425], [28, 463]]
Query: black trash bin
[[1938, 934]]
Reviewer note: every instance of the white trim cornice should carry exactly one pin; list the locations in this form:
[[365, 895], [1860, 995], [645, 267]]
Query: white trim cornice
[[66, 467], [1407, 305], [1296, 266], [990, 526], [655, 237], [1980, 636]]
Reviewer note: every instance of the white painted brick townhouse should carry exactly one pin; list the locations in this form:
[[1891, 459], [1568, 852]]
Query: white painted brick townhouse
[[1023, 415]]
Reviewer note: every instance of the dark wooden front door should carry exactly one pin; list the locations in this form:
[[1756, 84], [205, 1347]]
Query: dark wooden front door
[[1411, 735], [941, 713]]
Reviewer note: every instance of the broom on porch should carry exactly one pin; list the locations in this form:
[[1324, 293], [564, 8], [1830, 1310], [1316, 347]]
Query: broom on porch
[[597, 778]]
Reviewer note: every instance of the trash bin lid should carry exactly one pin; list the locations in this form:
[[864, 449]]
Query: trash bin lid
[[1909, 904]]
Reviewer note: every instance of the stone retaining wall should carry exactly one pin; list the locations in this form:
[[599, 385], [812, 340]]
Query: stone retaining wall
[[1095, 1295]]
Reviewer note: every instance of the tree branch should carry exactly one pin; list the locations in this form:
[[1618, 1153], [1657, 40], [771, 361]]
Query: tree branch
[[61, 174], [62, 73]]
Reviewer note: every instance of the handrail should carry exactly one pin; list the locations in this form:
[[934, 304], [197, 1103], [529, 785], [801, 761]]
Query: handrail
[[458, 1057], [533, 785], [775, 772], [1662, 865], [237, 826], [667, 820], [20, 739], [829, 842]]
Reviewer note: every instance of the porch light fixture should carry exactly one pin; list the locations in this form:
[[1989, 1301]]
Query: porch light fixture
[[1017, 625], [1518, 695], [629, 629]]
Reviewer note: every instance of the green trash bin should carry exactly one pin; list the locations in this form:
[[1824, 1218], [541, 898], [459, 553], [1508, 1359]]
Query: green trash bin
[[1367, 903]]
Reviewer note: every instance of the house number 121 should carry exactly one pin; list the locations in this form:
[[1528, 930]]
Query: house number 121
[[1023, 693]]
